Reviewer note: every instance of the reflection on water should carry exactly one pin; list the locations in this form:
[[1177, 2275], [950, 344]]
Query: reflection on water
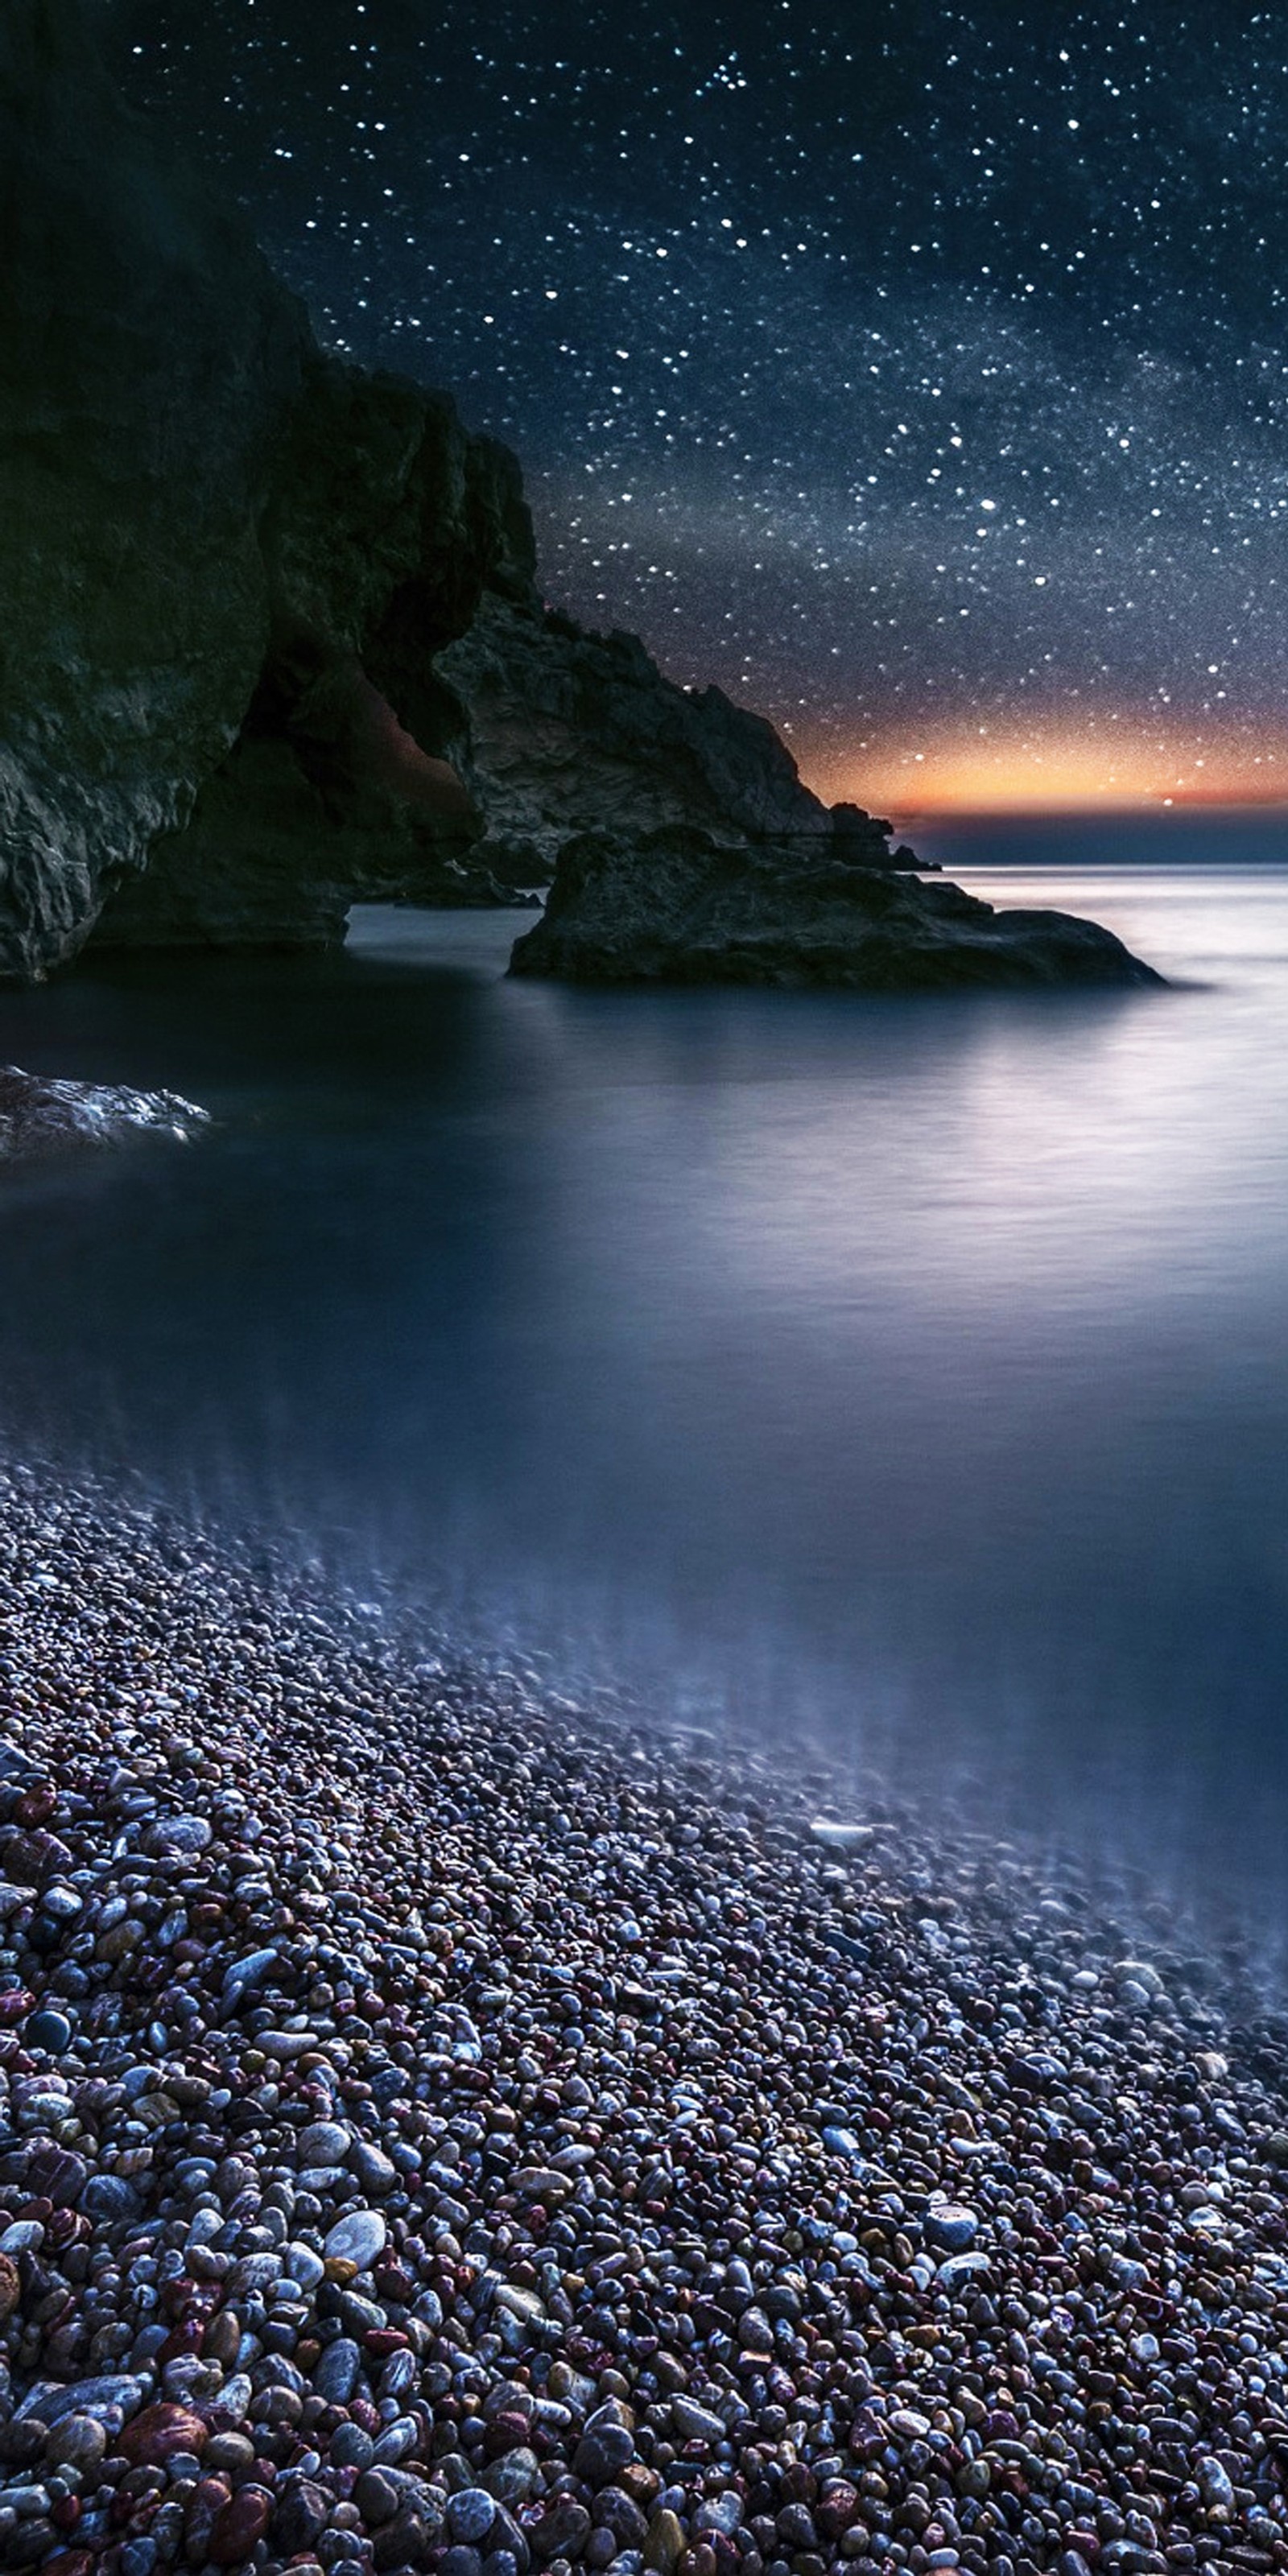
[[915, 1371]]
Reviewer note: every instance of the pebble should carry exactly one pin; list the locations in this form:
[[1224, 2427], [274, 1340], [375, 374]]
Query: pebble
[[470, 2514], [324, 2143], [953, 2228], [445, 2128], [356, 2239], [50, 2031]]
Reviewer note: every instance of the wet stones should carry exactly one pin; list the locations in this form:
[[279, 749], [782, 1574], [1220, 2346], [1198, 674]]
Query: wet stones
[[511, 2143]]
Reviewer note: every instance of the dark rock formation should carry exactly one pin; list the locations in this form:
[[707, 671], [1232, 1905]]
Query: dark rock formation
[[569, 731], [225, 561], [254, 604], [565, 732], [678, 907], [863, 842], [39, 1116]]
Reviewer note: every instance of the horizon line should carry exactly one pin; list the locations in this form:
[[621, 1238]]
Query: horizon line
[[1151, 809]]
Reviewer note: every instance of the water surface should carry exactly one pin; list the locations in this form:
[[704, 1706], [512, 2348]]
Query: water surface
[[915, 1373]]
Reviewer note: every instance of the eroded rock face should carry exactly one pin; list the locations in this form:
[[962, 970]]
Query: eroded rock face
[[563, 732], [260, 614], [570, 732], [678, 907], [150, 360], [225, 560]]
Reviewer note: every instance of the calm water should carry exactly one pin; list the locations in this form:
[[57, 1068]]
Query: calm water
[[913, 1373]]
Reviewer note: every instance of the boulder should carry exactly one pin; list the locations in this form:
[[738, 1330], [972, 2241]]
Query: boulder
[[39, 1115], [679, 907]]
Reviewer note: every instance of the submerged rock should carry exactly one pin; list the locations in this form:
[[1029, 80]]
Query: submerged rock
[[678, 907], [39, 1115]]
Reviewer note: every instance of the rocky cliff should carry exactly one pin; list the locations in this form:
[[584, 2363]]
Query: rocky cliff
[[225, 561], [271, 642], [564, 732]]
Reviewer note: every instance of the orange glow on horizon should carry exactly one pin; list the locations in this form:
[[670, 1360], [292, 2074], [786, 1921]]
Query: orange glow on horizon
[[1003, 769]]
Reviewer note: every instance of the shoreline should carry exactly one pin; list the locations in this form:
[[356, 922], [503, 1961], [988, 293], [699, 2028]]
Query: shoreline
[[440, 2127]]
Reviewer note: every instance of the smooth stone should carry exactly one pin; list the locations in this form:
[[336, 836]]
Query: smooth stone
[[357, 2238], [108, 2196], [77, 2442], [951, 2227], [602, 2452], [240, 2526], [470, 2514], [842, 2142], [62, 1903], [376, 2496], [323, 2144], [336, 2374], [159, 2432], [696, 2422], [959, 2270], [178, 1833], [372, 2166], [514, 2477], [351, 2446], [300, 2513], [561, 2533], [115, 2396], [51, 2031], [666, 2542]]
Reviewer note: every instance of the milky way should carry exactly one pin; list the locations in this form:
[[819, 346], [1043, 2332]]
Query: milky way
[[919, 372]]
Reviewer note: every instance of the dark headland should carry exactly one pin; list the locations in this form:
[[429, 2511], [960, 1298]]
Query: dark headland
[[273, 640]]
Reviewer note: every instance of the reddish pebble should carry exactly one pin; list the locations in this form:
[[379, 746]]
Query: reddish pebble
[[156, 2435], [209, 2500], [240, 2526]]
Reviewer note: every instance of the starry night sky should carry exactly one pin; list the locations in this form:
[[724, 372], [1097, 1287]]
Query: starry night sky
[[917, 371]]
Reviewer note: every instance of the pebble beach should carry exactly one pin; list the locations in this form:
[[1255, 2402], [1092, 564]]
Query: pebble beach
[[445, 2127]]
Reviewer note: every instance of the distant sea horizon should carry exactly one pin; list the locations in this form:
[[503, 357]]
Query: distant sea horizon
[[1175, 836]]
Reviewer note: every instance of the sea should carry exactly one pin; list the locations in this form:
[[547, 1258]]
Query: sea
[[906, 1378]]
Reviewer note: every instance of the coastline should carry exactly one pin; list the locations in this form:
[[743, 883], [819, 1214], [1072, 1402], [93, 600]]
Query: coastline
[[442, 2128]]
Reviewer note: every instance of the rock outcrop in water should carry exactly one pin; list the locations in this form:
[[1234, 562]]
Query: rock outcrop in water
[[679, 908], [225, 561], [40, 1116]]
